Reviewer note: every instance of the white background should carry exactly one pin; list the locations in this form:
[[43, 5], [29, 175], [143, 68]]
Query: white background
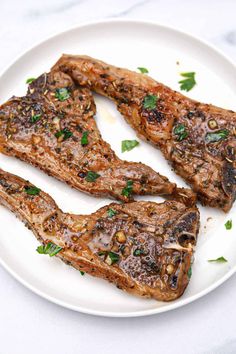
[[29, 324]]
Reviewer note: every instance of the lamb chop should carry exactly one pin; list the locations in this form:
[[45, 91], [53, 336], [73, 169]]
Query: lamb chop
[[199, 140], [144, 248], [53, 128]]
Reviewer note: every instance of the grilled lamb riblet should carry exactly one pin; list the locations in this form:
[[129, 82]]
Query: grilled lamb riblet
[[199, 140], [143, 247], [53, 128]]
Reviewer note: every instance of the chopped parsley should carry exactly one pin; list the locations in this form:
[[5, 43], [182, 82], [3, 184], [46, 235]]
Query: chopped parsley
[[62, 94], [91, 176], [128, 189], [189, 273], [217, 136], [138, 252], [111, 212], [113, 257], [127, 145], [218, 260], [32, 190], [64, 134], [150, 101], [35, 118], [50, 248], [181, 132], [84, 139], [229, 224], [189, 82], [143, 70], [30, 80], [81, 272]]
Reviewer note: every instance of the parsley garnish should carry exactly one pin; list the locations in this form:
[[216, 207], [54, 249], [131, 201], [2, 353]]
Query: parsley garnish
[[91, 176], [111, 212], [189, 273], [81, 272], [217, 136], [62, 93], [114, 257], [218, 260], [180, 132], [35, 118], [229, 224], [84, 139], [128, 189], [127, 145], [32, 190], [65, 133], [150, 101], [50, 248], [188, 83], [138, 252], [30, 80], [143, 70]]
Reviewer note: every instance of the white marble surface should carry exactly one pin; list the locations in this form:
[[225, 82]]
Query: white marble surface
[[30, 324]]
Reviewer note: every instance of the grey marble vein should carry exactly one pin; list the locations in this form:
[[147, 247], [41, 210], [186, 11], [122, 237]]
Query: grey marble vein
[[54, 9], [129, 9]]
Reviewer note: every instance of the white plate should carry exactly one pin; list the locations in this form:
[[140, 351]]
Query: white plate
[[165, 52]]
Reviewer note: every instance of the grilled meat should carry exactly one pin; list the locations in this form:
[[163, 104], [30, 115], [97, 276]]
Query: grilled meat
[[143, 247], [199, 140], [53, 128]]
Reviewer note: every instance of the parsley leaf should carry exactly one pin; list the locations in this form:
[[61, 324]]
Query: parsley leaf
[[63, 134], [81, 272], [150, 101], [128, 189], [112, 258], [50, 248], [127, 145], [84, 139], [91, 176], [218, 260], [30, 80], [111, 212], [217, 136], [143, 70], [229, 224], [32, 190], [189, 273], [181, 132], [188, 83], [35, 118], [139, 252], [62, 94]]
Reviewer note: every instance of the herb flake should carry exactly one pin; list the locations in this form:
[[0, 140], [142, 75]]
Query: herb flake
[[143, 70], [150, 102], [50, 248], [218, 260], [111, 212], [181, 132], [30, 80], [217, 136], [189, 273], [35, 118], [91, 176], [189, 82], [139, 252], [31, 190], [127, 191], [62, 94], [63, 134], [84, 139], [113, 257], [229, 224], [127, 145]]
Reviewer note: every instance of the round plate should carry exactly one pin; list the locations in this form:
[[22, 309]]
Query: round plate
[[131, 44]]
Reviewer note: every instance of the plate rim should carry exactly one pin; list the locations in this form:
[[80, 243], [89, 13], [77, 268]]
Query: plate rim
[[169, 306]]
